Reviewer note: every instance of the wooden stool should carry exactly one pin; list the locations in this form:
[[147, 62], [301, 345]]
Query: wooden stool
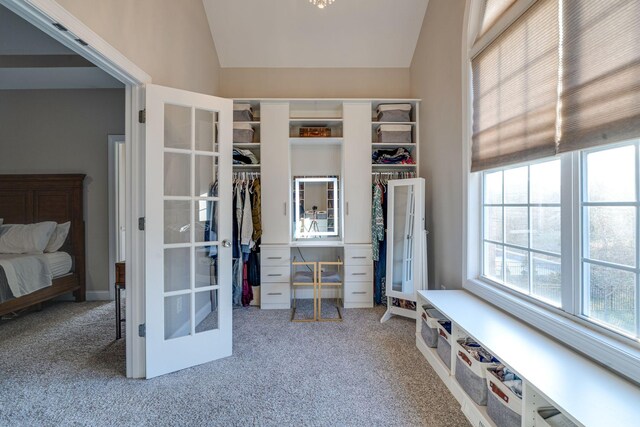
[[119, 285]]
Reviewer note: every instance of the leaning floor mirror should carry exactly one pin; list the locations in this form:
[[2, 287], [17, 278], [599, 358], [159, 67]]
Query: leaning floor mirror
[[316, 213], [406, 244]]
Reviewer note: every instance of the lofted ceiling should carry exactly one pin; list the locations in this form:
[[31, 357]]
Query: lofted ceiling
[[295, 33], [30, 59]]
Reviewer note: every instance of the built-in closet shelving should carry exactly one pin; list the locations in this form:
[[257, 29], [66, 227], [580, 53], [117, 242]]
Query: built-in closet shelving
[[254, 146], [412, 147]]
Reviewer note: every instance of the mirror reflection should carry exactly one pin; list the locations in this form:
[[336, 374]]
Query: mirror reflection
[[317, 207]]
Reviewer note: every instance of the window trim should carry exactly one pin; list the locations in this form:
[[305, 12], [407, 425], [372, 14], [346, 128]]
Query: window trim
[[607, 347]]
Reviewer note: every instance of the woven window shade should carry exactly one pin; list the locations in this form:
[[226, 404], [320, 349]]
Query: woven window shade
[[515, 91], [600, 96], [493, 10]]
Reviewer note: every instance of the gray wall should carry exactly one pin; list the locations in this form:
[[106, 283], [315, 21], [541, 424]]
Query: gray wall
[[65, 131], [436, 77]]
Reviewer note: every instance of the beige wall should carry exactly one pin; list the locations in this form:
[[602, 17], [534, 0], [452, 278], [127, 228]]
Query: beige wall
[[169, 39], [65, 131], [314, 82], [436, 77]]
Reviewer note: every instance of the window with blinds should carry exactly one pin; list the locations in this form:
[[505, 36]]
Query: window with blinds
[[564, 76]]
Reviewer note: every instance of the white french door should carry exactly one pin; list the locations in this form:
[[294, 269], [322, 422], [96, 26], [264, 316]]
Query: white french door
[[188, 225]]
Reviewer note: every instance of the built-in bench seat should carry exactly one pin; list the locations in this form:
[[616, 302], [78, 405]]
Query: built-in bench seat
[[552, 374]]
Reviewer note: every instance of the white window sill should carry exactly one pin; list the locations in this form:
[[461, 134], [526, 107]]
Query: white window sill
[[612, 353]]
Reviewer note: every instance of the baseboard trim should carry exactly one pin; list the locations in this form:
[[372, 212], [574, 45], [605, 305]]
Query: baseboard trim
[[91, 296]]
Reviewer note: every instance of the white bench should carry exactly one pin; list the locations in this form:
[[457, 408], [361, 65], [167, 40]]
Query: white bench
[[552, 374]]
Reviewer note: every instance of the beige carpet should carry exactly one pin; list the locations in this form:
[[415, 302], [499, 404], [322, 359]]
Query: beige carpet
[[61, 366]]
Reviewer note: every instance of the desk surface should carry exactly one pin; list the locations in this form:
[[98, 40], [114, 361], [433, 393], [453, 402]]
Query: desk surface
[[591, 394]]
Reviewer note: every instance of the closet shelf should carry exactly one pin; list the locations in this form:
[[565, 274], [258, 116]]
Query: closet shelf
[[392, 166], [316, 140], [247, 144], [393, 144], [250, 123], [246, 166], [375, 123]]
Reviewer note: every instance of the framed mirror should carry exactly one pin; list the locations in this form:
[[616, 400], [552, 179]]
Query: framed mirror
[[316, 202]]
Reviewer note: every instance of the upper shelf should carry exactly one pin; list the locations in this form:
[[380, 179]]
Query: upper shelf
[[316, 140]]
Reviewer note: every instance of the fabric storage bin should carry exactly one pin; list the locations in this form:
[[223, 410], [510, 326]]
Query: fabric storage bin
[[551, 417], [504, 406], [394, 112], [242, 133], [444, 342], [429, 329], [400, 134], [242, 113], [472, 362]]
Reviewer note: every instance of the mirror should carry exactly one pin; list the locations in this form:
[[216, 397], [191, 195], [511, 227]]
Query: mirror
[[405, 238], [317, 207]]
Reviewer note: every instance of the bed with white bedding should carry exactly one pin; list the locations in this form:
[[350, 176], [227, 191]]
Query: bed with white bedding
[[22, 274], [36, 263]]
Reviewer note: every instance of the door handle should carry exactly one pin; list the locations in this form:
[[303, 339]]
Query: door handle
[[226, 243]]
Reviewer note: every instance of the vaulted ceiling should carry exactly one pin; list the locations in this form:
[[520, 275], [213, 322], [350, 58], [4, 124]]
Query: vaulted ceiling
[[30, 59], [295, 33]]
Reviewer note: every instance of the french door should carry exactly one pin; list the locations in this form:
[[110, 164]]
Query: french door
[[187, 229]]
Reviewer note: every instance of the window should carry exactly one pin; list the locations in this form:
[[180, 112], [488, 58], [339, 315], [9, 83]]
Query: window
[[610, 237], [521, 231]]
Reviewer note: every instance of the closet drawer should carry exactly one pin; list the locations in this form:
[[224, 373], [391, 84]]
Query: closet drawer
[[358, 273], [275, 274], [275, 293], [358, 255], [275, 256], [358, 292]]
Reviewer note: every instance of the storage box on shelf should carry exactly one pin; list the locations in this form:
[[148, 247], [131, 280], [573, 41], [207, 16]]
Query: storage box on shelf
[[444, 342], [472, 362], [429, 325], [504, 405], [551, 417]]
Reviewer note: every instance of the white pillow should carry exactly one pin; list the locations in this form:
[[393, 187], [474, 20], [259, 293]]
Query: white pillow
[[25, 238], [58, 237]]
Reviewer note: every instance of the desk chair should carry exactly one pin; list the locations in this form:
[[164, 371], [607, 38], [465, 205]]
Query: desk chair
[[303, 274]]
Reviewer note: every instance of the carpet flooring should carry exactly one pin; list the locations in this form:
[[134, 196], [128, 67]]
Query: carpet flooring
[[62, 367]]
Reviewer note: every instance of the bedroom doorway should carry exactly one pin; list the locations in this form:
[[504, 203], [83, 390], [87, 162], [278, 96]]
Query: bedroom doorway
[[117, 204]]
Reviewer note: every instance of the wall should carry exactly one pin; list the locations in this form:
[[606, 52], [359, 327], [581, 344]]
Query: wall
[[65, 131], [169, 39], [436, 77], [315, 82]]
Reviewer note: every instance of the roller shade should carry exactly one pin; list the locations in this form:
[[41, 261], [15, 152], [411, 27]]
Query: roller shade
[[515, 91], [600, 96]]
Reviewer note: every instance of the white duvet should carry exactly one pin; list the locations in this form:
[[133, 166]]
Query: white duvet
[[26, 273]]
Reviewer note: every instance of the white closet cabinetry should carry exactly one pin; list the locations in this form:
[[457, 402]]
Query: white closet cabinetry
[[357, 172], [276, 184]]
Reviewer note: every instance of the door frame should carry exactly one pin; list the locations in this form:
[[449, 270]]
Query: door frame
[[75, 35], [115, 167]]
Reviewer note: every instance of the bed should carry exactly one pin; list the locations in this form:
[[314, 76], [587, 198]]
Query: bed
[[27, 199]]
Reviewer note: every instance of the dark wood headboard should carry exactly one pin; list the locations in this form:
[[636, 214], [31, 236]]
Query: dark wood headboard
[[26, 199]]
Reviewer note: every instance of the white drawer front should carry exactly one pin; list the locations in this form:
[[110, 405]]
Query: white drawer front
[[358, 273], [275, 274], [275, 256], [358, 292], [358, 255], [275, 293]]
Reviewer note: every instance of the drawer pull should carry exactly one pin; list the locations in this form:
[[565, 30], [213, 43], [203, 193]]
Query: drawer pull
[[359, 293], [358, 257], [274, 293], [274, 257], [274, 275], [358, 274]]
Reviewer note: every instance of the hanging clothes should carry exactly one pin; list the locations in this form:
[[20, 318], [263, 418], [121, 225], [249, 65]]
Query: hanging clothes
[[256, 209], [246, 226], [377, 220]]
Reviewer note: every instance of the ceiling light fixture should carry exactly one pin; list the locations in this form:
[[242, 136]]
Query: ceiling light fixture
[[321, 3]]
